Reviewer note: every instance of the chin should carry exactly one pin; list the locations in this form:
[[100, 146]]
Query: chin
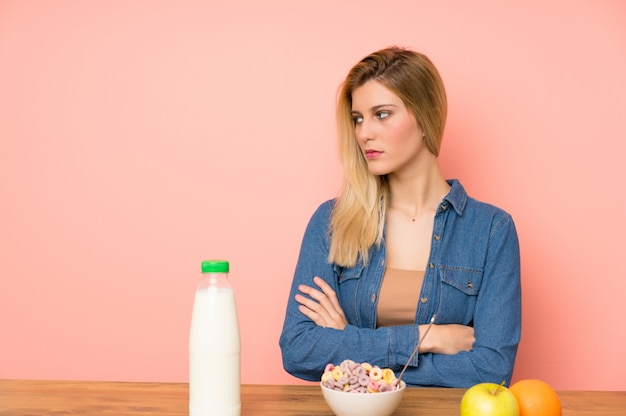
[[377, 170]]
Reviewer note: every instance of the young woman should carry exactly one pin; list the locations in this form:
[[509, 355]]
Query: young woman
[[401, 244]]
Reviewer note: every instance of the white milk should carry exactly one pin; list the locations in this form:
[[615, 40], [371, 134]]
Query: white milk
[[214, 354]]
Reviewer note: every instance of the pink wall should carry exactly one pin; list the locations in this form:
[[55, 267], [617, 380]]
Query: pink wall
[[138, 138]]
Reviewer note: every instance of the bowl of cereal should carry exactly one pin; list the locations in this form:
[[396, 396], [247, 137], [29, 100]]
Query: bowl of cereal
[[361, 389]]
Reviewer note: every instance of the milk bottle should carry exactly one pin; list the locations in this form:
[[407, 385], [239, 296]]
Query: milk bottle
[[214, 345]]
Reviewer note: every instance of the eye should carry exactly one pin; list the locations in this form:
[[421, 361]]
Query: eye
[[356, 119], [381, 115]]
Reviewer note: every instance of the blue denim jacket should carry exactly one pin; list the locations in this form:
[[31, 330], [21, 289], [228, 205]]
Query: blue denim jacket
[[472, 278]]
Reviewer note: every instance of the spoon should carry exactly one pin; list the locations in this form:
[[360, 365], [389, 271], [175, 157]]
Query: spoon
[[432, 321]]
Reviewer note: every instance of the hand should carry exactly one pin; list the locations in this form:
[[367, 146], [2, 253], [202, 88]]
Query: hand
[[447, 339], [323, 306]]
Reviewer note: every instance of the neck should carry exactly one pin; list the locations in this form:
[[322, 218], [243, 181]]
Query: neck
[[414, 194]]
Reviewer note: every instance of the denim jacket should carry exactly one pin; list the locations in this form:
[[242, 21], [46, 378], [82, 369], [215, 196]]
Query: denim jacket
[[472, 278]]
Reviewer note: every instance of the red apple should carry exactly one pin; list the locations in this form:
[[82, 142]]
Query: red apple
[[489, 399]]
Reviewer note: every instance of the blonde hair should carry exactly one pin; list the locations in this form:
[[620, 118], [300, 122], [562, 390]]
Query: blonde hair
[[358, 218]]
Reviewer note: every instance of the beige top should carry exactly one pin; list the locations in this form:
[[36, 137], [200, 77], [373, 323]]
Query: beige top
[[399, 294]]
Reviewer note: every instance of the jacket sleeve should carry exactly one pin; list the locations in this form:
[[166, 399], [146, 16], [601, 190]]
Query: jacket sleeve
[[496, 321], [307, 348]]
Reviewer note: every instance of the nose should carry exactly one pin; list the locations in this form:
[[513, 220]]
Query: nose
[[363, 131]]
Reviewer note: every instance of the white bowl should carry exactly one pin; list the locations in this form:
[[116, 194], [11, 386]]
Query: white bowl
[[363, 404]]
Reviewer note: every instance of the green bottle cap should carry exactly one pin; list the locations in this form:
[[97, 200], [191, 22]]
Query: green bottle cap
[[215, 266]]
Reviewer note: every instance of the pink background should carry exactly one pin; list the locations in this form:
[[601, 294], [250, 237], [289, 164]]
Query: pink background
[[139, 137]]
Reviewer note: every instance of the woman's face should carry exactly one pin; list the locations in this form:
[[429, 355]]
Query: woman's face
[[386, 130]]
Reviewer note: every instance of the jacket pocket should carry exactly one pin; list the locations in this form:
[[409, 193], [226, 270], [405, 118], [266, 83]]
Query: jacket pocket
[[459, 289], [348, 281], [345, 274]]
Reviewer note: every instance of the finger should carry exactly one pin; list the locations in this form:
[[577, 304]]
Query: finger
[[310, 309], [318, 295], [309, 303], [331, 294], [314, 310], [309, 291], [328, 310], [313, 316], [325, 306], [320, 314], [315, 296]]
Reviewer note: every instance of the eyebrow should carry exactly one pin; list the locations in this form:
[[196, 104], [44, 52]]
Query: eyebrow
[[378, 107]]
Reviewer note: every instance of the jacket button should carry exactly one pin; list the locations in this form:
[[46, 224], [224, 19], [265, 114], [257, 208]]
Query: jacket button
[[444, 207], [373, 297], [470, 285], [424, 299], [437, 237], [431, 265]]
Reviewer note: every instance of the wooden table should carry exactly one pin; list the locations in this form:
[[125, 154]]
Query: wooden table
[[46, 398]]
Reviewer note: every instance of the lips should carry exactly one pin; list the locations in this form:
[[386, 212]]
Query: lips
[[372, 154]]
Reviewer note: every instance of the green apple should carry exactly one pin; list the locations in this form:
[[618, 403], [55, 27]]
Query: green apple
[[489, 399]]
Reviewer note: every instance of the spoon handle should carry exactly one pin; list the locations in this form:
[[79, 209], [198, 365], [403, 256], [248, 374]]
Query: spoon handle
[[432, 321]]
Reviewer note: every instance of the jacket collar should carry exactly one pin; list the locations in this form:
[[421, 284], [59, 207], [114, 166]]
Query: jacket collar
[[457, 197]]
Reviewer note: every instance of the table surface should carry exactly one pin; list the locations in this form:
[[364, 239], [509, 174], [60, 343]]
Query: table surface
[[30, 397]]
